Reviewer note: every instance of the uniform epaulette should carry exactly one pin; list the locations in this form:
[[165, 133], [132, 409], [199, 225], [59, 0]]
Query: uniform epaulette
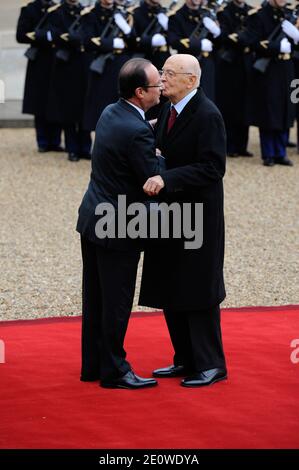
[[253, 11], [86, 10], [54, 8]]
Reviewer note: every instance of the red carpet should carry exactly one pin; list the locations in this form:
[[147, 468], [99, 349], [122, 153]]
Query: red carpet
[[43, 404]]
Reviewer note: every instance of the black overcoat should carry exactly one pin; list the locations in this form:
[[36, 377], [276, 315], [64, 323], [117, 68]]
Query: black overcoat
[[38, 72], [195, 151], [234, 63], [69, 77], [270, 104], [102, 90]]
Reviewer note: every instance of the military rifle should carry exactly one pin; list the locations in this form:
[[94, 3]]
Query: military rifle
[[262, 64], [32, 51], [110, 31]]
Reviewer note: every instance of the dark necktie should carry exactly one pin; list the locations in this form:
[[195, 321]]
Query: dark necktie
[[172, 117]]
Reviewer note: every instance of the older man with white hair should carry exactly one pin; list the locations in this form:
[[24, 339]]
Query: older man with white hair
[[188, 283]]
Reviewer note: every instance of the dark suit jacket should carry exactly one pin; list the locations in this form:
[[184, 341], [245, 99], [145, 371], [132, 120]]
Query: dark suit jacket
[[123, 158], [195, 151]]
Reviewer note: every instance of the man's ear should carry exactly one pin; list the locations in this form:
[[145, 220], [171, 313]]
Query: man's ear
[[192, 80], [139, 92]]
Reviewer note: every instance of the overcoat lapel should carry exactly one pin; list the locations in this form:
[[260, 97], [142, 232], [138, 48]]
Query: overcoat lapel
[[181, 121]]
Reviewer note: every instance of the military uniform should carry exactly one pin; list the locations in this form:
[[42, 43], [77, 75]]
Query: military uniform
[[271, 109], [146, 26], [69, 79], [232, 78], [181, 26], [102, 88], [38, 71]]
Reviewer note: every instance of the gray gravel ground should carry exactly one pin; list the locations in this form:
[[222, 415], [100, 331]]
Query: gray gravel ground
[[40, 250]]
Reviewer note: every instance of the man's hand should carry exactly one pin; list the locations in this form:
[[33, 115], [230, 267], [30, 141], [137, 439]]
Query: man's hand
[[153, 185]]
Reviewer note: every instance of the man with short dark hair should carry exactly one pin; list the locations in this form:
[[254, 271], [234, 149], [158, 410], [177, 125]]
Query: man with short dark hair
[[123, 158]]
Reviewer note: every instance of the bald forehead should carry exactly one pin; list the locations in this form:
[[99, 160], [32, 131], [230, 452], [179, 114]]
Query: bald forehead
[[184, 62]]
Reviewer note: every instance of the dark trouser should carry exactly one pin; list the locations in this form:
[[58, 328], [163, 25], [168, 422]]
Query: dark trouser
[[196, 338], [77, 140], [48, 134], [108, 291], [237, 138], [273, 144]]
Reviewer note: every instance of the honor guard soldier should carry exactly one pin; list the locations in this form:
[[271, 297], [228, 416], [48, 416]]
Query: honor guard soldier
[[192, 30], [151, 26], [69, 78], [33, 28], [109, 33], [232, 77], [271, 34]]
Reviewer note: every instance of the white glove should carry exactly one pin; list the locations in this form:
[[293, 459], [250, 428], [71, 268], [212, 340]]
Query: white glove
[[158, 40], [122, 24], [118, 43], [206, 45], [49, 36], [163, 20], [285, 46], [290, 30], [211, 26]]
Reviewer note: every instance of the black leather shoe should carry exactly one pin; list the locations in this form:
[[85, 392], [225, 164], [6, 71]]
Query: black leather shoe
[[233, 154], [291, 145], [283, 161], [73, 157], [170, 371], [245, 153], [206, 377], [268, 162], [130, 381]]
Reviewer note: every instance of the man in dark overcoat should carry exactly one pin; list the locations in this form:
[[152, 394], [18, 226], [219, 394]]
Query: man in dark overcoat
[[69, 78], [270, 35], [188, 282], [232, 77], [109, 34], [34, 29]]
